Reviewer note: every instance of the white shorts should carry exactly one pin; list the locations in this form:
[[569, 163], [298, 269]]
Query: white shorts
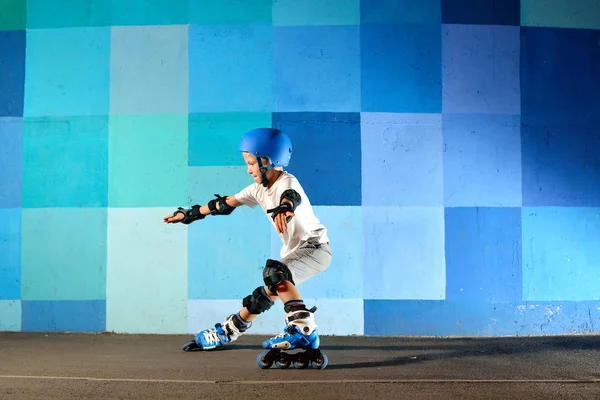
[[308, 260]]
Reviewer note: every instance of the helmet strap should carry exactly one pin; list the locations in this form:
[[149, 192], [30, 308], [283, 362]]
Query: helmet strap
[[263, 171]]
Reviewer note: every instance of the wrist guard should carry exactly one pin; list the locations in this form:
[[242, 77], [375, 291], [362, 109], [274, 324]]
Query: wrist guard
[[190, 214], [224, 208]]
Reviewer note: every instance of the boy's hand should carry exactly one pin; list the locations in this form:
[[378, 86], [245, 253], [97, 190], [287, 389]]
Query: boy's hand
[[281, 220], [172, 219]]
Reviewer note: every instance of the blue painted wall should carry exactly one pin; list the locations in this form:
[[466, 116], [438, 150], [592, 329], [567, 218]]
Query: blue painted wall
[[451, 147]]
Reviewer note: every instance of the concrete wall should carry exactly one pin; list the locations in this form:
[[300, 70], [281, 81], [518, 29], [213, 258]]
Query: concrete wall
[[451, 148]]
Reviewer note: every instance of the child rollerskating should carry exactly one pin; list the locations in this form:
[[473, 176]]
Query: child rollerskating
[[305, 252]]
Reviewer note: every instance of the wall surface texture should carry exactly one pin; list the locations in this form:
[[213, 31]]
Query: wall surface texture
[[451, 147]]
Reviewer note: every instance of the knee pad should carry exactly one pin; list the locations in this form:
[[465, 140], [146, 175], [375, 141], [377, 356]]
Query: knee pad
[[274, 273], [258, 302]]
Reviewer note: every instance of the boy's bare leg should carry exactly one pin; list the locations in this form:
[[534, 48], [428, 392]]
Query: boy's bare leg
[[287, 291]]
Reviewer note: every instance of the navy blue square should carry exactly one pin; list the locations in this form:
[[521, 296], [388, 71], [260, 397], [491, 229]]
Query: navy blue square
[[560, 73], [12, 71], [483, 254], [401, 68], [481, 12], [326, 156], [560, 161]]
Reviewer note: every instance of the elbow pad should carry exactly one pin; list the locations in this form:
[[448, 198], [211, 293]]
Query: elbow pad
[[291, 195], [224, 208]]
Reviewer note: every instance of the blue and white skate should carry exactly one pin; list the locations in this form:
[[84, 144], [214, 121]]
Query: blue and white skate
[[300, 333], [214, 338]]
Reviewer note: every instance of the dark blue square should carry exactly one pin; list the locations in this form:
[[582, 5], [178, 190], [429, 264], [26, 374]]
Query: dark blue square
[[12, 71], [483, 254], [326, 156], [560, 73], [560, 161], [64, 315], [481, 12], [401, 68]]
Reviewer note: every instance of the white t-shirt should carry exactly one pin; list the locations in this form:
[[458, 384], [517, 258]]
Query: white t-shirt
[[304, 226]]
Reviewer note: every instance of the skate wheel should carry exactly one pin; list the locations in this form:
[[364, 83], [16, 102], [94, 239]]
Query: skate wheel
[[191, 346], [283, 363], [320, 362], [301, 363], [263, 362]]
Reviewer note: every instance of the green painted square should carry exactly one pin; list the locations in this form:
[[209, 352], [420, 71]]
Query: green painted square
[[149, 12], [207, 12], [214, 137], [148, 160], [67, 13], [316, 12], [65, 162], [13, 15], [64, 254], [577, 14]]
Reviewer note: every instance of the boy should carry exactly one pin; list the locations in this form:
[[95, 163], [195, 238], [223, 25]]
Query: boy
[[305, 251]]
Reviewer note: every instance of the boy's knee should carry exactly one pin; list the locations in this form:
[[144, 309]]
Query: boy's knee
[[275, 275]]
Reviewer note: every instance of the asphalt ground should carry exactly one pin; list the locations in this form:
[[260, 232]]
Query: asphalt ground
[[111, 366]]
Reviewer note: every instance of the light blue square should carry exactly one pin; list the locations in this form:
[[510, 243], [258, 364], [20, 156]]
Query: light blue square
[[343, 278], [149, 69], [146, 284], [10, 310], [78, 81], [402, 161], [317, 68], [226, 253], [482, 160], [404, 257], [230, 68], [481, 69], [561, 254], [64, 254], [10, 249]]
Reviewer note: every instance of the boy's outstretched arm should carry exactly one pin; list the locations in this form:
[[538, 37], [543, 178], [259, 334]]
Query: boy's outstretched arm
[[222, 205]]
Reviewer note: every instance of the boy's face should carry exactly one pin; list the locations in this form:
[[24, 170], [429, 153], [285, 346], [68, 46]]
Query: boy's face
[[253, 168]]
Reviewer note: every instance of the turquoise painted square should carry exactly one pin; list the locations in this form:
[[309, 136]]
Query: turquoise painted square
[[78, 81], [343, 279], [148, 160], [149, 69], [67, 13], [10, 249], [226, 181], [146, 287], [214, 138], [561, 254], [149, 12], [65, 162], [231, 68], [10, 310], [400, 11], [316, 12], [578, 14], [64, 254], [211, 12]]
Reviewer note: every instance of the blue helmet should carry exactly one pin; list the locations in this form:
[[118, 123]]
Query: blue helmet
[[268, 142]]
